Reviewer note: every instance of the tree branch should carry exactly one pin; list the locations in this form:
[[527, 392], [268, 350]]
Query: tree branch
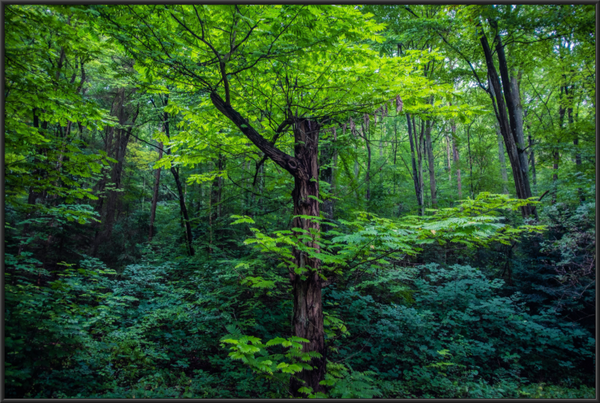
[[282, 159]]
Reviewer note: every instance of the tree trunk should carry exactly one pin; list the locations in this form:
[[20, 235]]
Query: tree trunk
[[456, 158], [420, 147], [569, 93], [175, 172], [116, 146], [308, 310], [518, 112], [414, 163], [184, 212], [215, 200], [307, 321], [555, 154], [532, 162], [508, 129], [470, 160], [448, 158], [328, 160], [365, 131], [502, 162], [555, 159], [155, 195], [431, 165], [356, 165]]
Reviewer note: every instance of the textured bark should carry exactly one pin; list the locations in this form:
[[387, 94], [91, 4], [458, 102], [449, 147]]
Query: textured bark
[[155, 195], [519, 128], [307, 319]]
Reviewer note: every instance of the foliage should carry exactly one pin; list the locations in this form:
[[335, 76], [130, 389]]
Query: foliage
[[453, 295]]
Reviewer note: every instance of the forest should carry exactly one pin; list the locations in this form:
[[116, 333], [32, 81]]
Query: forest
[[308, 201]]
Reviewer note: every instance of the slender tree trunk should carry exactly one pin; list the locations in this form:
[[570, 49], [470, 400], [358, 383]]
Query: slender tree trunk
[[578, 166], [356, 165], [184, 212], [175, 172], [532, 163], [456, 158], [366, 137], [414, 163], [448, 157], [327, 175], [508, 129], [382, 142], [155, 195], [502, 162], [470, 161], [569, 94], [215, 200], [420, 150], [555, 154], [431, 164], [555, 159]]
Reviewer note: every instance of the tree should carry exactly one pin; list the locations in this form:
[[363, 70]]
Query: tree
[[272, 69]]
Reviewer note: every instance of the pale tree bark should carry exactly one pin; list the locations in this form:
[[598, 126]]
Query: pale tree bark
[[515, 79]]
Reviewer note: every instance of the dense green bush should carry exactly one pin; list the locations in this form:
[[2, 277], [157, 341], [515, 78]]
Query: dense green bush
[[455, 329]]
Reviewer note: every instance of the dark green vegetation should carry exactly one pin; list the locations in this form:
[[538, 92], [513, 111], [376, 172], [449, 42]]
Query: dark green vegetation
[[300, 200]]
